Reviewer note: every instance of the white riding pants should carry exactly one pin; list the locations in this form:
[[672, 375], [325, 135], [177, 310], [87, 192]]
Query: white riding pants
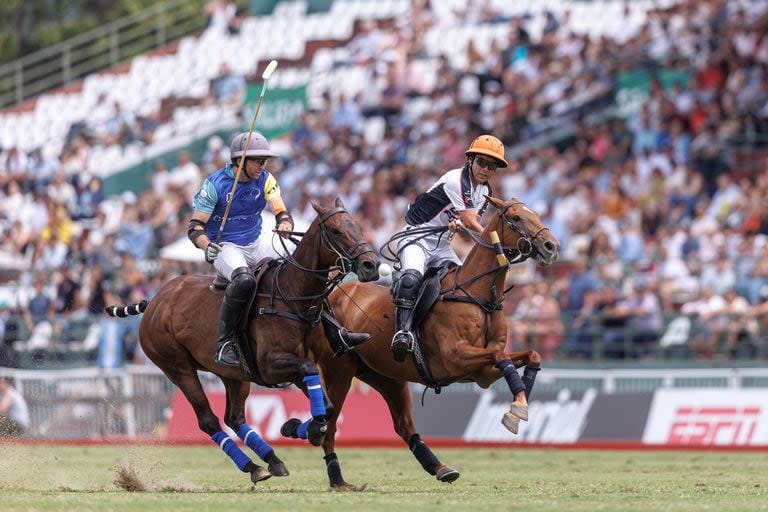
[[234, 256], [427, 250]]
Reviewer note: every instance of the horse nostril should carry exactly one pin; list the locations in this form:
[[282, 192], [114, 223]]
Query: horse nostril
[[368, 266], [549, 246]]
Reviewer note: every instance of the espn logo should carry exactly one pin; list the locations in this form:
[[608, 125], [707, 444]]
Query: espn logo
[[714, 425]]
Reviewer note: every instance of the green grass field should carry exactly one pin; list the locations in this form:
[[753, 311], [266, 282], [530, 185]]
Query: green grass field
[[202, 478]]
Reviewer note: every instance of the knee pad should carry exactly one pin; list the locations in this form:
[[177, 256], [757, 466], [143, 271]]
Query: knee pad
[[407, 287], [242, 284]]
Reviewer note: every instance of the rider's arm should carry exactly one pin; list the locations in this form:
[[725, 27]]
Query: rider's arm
[[203, 203], [196, 229], [283, 219], [471, 220]]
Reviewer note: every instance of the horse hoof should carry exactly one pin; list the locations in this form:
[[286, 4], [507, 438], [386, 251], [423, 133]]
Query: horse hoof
[[519, 410], [511, 422], [278, 469], [259, 474], [447, 474], [316, 432], [290, 428]]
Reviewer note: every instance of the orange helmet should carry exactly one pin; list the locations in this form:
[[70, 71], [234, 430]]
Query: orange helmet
[[490, 146]]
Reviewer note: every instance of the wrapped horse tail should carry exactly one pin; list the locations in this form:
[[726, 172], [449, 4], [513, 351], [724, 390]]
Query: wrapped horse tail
[[124, 311]]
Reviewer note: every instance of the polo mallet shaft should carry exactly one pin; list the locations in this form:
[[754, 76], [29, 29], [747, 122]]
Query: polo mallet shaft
[[265, 76], [500, 258]]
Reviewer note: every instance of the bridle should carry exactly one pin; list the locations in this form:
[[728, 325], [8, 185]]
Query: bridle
[[524, 248], [346, 260]]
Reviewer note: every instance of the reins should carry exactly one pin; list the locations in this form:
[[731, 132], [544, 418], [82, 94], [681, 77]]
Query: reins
[[345, 263]]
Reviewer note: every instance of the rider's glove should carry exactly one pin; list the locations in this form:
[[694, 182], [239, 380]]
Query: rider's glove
[[211, 251]]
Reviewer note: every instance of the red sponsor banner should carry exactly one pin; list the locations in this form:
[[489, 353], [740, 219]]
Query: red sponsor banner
[[365, 416], [708, 418]]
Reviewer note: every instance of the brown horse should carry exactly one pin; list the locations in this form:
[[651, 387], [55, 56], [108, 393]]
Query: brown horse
[[462, 337], [179, 330]]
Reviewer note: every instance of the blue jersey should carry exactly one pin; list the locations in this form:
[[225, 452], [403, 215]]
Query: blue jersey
[[244, 222]]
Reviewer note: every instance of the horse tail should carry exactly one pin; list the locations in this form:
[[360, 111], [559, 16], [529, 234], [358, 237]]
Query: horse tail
[[124, 311]]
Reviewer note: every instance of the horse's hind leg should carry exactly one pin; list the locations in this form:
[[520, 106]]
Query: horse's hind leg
[[189, 384], [398, 398], [234, 417]]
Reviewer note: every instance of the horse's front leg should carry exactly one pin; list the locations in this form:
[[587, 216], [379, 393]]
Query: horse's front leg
[[491, 363], [532, 362], [234, 417], [485, 366], [287, 367]]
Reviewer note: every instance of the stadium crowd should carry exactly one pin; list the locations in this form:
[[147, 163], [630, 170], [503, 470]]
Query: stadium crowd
[[662, 227]]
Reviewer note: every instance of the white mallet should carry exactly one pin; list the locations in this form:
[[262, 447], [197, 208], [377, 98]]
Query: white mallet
[[385, 270]]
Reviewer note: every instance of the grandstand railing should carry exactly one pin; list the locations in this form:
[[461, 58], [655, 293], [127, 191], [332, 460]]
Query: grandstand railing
[[135, 401], [97, 49]]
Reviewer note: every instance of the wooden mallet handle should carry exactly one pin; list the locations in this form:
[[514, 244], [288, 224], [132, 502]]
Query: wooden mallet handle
[[499, 250]]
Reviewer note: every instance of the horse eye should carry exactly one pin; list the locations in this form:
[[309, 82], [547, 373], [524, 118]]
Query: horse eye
[[335, 231], [516, 218]]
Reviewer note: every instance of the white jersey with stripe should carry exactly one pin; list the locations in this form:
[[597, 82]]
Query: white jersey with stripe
[[449, 195]]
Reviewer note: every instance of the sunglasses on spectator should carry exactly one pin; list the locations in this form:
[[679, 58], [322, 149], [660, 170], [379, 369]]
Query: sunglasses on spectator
[[482, 162]]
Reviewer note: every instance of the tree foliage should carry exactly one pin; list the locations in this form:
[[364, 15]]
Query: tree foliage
[[29, 25]]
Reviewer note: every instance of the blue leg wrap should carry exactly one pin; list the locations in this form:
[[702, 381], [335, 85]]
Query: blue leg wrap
[[301, 431], [253, 441], [234, 452], [316, 399], [510, 374]]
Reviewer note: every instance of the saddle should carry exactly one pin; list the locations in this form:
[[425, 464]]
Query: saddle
[[429, 291]]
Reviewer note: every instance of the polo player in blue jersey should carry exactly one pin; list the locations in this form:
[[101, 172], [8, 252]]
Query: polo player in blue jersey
[[241, 245]]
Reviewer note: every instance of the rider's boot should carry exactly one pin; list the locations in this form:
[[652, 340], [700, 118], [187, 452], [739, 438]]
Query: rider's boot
[[340, 339], [236, 298], [404, 295]]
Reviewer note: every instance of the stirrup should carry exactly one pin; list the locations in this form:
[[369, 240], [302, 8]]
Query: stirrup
[[226, 354], [401, 347]]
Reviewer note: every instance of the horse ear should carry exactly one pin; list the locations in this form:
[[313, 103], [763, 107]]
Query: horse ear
[[339, 202], [319, 209], [498, 203]]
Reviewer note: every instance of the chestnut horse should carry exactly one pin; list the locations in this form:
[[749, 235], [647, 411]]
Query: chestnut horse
[[179, 331], [462, 337]]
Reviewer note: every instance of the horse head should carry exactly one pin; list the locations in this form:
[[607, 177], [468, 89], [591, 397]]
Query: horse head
[[342, 243], [522, 233]]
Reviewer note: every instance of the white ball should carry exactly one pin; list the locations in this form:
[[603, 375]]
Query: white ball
[[385, 270]]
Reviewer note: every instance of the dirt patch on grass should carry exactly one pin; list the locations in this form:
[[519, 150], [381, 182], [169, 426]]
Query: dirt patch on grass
[[127, 479]]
